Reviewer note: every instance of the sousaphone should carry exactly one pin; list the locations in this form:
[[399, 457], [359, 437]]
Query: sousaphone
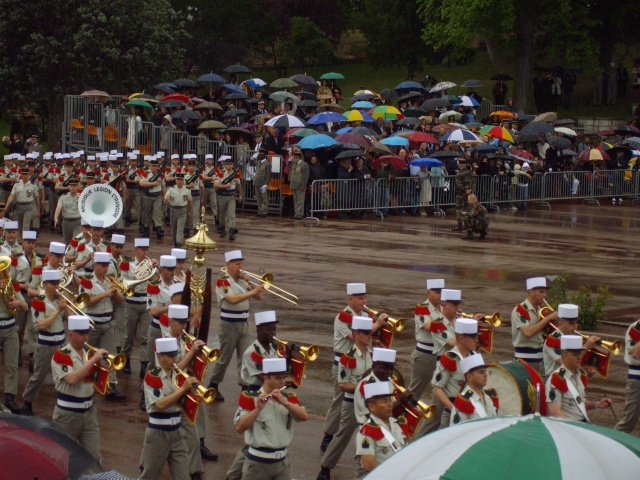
[[100, 202]]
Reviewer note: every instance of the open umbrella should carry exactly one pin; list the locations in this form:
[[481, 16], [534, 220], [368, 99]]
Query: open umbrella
[[186, 82], [333, 107], [211, 77], [422, 137], [444, 154], [379, 148], [355, 138], [516, 447], [325, 117], [527, 137], [408, 97], [313, 142], [176, 96], [443, 128], [283, 83], [460, 135], [362, 105], [286, 121], [386, 112], [365, 131], [502, 77], [389, 93], [538, 128], [147, 98], [633, 142], [442, 86], [435, 103], [303, 132], [349, 154], [501, 114], [415, 112], [563, 121], [406, 87], [171, 104], [235, 69], [546, 117], [472, 83], [230, 87], [444, 117], [560, 142], [255, 82], [211, 124], [344, 130], [485, 149], [209, 106], [236, 112], [236, 96], [429, 162], [358, 115], [466, 101], [332, 76], [522, 155], [395, 142], [408, 121], [396, 162], [593, 155], [308, 103], [95, 94], [627, 130], [139, 103], [239, 132], [304, 80], [499, 133], [166, 87], [284, 96], [186, 115]]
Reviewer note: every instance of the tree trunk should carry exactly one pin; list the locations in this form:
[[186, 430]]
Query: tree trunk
[[525, 26], [494, 49]]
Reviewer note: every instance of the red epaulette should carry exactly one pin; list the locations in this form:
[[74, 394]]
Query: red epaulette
[[247, 402], [449, 362], [39, 179], [437, 326], [219, 174], [634, 333], [51, 170], [372, 431], [14, 261], [494, 397], [62, 358], [256, 357], [61, 179], [80, 190], [464, 405], [14, 170], [559, 382], [292, 398], [347, 361], [74, 243], [86, 283], [81, 247], [168, 169], [38, 305], [223, 283], [142, 173], [124, 266], [45, 260], [152, 380], [552, 342], [57, 170], [16, 286], [164, 320], [201, 177], [153, 289], [422, 310], [108, 248], [36, 271], [178, 170], [523, 311], [345, 317], [83, 171]]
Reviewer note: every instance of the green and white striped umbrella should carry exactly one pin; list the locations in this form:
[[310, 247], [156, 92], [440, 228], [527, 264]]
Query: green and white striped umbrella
[[510, 448]]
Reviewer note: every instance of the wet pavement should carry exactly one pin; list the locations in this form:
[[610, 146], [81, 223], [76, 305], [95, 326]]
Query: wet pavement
[[394, 256]]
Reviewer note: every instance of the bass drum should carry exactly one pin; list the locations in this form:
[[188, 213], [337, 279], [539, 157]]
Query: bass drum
[[515, 382]]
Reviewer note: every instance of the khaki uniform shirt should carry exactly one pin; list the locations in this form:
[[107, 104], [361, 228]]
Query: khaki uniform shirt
[[86, 249], [560, 395], [342, 329], [263, 172], [298, 174], [359, 406], [152, 393], [371, 441], [128, 268], [440, 339], [159, 296], [252, 362], [352, 366], [420, 318], [69, 206], [11, 250], [228, 311], [8, 320], [551, 352], [179, 197], [60, 370], [157, 188], [519, 319], [448, 379], [41, 308], [101, 312], [25, 193], [458, 416]]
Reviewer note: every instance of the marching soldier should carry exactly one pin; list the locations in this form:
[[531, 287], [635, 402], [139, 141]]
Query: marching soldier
[[170, 181], [132, 181], [181, 258], [448, 376], [74, 410], [83, 238], [48, 312], [192, 179], [49, 174], [473, 401], [342, 343], [265, 417], [66, 173], [27, 198], [163, 440], [152, 193], [6, 179], [226, 187], [353, 364], [298, 179], [465, 183], [423, 358], [632, 358], [233, 292], [86, 251], [117, 245], [476, 218], [526, 330], [381, 436], [180, 203], [67, 208], [209, 174], [11, 245], [100, 310], [566, 386], [567, 324], [261, 180], [160, 299]]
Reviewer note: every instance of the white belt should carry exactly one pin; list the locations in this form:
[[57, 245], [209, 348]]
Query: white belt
[[171, 421], [7, 323], [349, 395], [425, 346], [84, 405], [337, 356], [268, 455], [243, 315], [634, 372], [57, 337]]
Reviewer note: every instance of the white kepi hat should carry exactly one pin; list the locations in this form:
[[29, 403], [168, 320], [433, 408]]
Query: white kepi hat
[[263, 318], [471, 362], [536, 282], [79, 323], [571, 342], [178, 312], [450, 295], [167, 261], [57, 248], [356, 288], [167, 345], [29, 235], [51, 275], [467, 326], [179, 253], [384, 355], [141, 243], [233, 255], [101, 257], [274, 365], [176, 288], [376, 389], [362, 323], [568, 311], [433, 283]]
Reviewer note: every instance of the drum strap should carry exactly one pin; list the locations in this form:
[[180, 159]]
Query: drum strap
[[480, 410], [581, 402]]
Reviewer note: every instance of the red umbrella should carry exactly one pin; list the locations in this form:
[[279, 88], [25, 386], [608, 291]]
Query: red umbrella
[[396, 162], [444, 128], [593, 155], [176, 96], [422, 137], [290, 133], [522, 154], [350, 137]]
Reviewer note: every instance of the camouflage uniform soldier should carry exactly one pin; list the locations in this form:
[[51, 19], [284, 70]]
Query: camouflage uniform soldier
[[261, 181], [476, 218], [465, 183]]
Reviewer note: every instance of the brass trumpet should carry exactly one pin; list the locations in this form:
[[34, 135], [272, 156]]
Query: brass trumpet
[[614, 347], [426, 409], [267, 280], [212, 354], [310, 352], [494, 319], [545, 311], [116, 362], [207, 395], [396, 323]]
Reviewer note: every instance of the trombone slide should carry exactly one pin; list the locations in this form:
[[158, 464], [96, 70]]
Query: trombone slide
[[267, 281]]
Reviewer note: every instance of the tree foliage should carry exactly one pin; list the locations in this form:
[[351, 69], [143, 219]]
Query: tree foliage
[[54, 48]]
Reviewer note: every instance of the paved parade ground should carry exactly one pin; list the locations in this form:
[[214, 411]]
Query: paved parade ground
[[594, 245]]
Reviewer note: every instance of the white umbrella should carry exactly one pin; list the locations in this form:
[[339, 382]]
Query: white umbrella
[[442, 86], [566, 131], [288, 121]]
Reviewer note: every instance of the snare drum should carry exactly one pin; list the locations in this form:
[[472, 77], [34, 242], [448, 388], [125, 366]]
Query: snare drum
[[515, 382]]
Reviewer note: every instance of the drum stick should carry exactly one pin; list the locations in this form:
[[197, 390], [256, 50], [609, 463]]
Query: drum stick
[[614, 412]]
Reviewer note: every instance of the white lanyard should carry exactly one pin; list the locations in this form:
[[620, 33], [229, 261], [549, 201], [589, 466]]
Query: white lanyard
[[482, 413], [395, 446], [574, 393]]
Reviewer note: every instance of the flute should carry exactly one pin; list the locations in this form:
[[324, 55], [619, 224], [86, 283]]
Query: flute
[[264, 399]]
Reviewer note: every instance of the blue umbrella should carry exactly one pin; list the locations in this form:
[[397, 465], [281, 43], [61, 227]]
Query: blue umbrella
[[485, 148], [344, 130], [429, 162], [366, 118], [324, 117], [395, 142], [255, 82], [362, 105], [313, 142], [166, 87], [232, 88], [211, 77], [406, 87]]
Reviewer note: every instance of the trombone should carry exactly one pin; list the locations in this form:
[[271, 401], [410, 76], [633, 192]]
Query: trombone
[[207, 395], [267, 281], [212, 354], [494, 319], [116, 362], [545, 311], [79, 303], [396, 323], [310, 352]]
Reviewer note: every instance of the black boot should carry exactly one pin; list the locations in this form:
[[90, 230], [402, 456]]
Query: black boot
[[196, 476], [223, 233], [114, 395], [118, 349], [207, 454], [31, 363], [217, 221], [127, 367], [159, 232], [143, 405], [143, 369], [11, 404], [176, 245], [144, 231], [27, 409], [232, 234], [469, 235], [457, 228], [483, 234], [325, 474], [219, 397], [326, 440]]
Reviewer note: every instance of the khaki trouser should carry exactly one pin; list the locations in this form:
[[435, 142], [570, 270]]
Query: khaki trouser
[[252, 470], [133, 200], [341, 440], [631, 408], [234, 336], [227, 211], [235, 470], [152, 335], [70, 228], [201, 420], [42, 367], [102, 336], [433, 423], [424, 364], [82, 427], [52, 199], [178, 216], [298, 203], [195, 212], [160, 446], [151, 211], [136, 320], [211, 200], [193, 445], [118, 324], [24, 322], [10, 349], [332, 420], [263, 200], [25, 214]]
